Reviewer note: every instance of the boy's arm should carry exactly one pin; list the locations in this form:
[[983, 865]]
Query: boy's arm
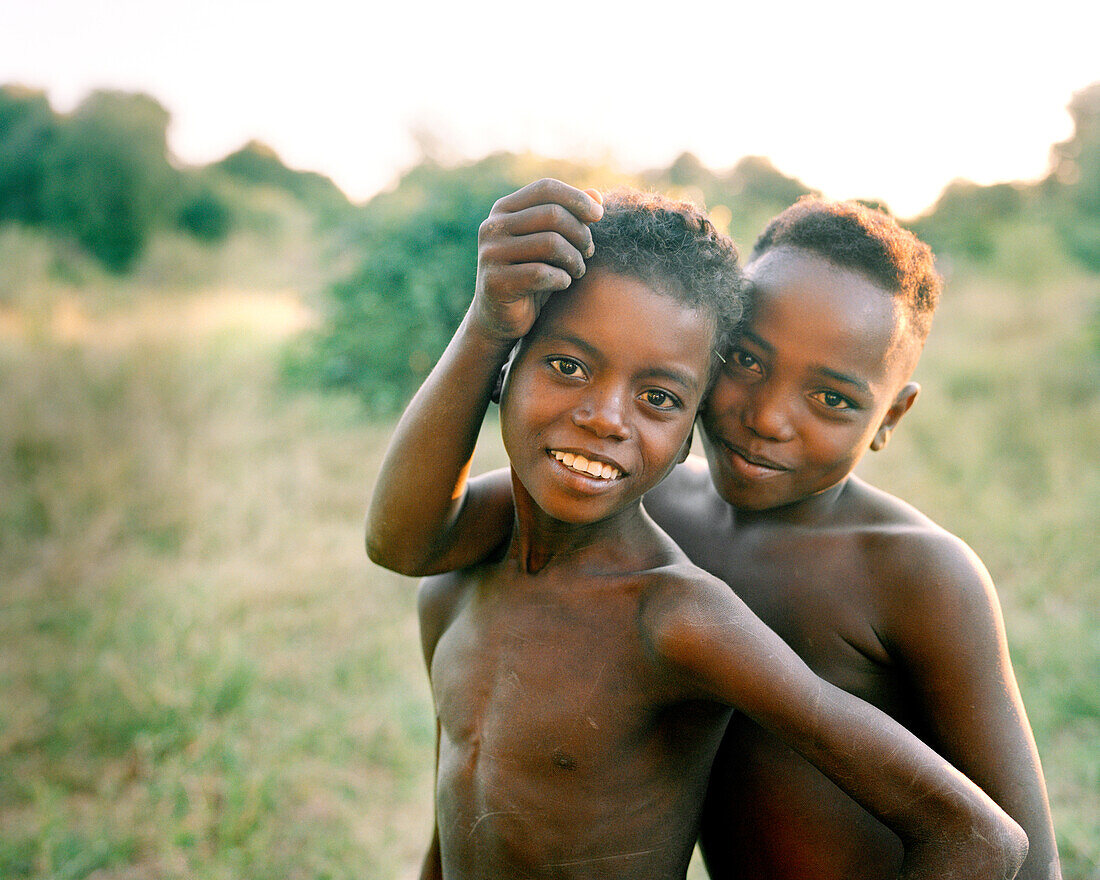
[[950, 828], [948, 633], [423, 518]]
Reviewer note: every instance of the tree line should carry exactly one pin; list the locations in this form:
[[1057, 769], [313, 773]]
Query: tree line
[[103, 176], [391, 318]]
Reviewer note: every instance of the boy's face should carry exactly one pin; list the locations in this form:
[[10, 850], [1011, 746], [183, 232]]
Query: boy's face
[[600, 398], [817, 376]]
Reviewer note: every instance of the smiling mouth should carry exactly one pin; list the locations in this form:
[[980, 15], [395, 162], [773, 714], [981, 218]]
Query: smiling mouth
[[601, 470]]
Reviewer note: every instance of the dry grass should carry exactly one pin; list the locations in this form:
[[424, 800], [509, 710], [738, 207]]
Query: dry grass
[[203, 677], [208, 678]]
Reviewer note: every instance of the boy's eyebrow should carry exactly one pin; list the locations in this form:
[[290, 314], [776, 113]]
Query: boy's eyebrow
[[675, 376], [859, 384], [855, 382], [748, 334]]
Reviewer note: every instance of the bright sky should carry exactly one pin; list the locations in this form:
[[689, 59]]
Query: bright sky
[[870, 99]]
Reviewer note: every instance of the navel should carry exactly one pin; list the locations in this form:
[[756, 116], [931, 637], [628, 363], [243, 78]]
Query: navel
[[563, 760]]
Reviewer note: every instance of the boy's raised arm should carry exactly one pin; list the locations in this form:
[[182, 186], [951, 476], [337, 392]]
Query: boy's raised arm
[[422, 517], [950, 828]]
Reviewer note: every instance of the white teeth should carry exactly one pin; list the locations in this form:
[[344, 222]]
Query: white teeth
[[584, 466]]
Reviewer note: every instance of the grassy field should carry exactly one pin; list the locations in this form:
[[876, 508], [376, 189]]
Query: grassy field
[[203, 677]]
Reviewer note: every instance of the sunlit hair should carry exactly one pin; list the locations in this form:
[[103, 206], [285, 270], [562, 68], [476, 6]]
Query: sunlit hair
[[659, 240], [853, 236]]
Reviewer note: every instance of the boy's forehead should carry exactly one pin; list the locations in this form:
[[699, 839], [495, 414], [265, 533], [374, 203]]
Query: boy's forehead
[[787, 264], [830, 307], [629, 317]]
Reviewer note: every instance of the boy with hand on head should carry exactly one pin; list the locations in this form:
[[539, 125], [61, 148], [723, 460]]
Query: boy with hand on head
[[583, 672], [876, 598]]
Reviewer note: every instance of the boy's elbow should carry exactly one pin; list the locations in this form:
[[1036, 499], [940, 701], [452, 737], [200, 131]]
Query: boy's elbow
[[383, 550], [1003, 848], [1015, 848], [975, 842]]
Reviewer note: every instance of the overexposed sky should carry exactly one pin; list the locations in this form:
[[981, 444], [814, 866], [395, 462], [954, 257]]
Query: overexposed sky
[[859, 99]]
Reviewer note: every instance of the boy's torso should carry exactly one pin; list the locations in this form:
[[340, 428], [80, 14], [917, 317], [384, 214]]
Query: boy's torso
[[565, 749], [770, 813]]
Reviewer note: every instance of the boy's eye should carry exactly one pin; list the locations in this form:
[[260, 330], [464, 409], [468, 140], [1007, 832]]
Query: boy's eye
[[565, 366], [833, 400], [746, 361], [660, 399]]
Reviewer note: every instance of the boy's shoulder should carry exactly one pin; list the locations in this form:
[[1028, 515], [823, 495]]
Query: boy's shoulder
[[681, 603], [918, 562], [894, 529]]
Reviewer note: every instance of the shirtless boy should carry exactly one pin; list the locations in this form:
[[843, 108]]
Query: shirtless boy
[[583, 674]]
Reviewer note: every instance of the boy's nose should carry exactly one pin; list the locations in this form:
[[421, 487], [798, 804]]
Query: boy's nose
[[604, 415], [766, 417]]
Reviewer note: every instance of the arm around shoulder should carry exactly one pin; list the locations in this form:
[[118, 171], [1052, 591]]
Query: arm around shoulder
[[951, 829]]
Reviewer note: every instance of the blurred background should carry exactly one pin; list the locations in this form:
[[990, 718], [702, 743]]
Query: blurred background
[[234, 239]]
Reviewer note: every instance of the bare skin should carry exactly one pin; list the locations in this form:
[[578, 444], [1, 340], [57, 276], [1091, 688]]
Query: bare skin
[[875, 597], [595, 639]]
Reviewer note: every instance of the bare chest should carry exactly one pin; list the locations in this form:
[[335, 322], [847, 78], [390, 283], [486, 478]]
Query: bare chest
[[534, 678], [815, 592], [554, 746]]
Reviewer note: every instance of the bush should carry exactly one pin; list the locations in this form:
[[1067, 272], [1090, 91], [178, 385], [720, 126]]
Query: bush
[[27, 130], [108, 176], [206, 217], [390, 320]]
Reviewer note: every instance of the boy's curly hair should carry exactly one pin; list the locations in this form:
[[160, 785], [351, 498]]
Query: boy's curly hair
[[853, 236], [657, 239]]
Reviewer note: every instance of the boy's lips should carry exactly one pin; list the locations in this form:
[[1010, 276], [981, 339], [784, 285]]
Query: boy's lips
[[754, 460], [584, 463]]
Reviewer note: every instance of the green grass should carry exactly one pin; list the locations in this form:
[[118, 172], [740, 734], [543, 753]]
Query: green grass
[[203, 677]]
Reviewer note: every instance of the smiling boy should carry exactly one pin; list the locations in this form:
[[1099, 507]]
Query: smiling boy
[[584, 672], [876, 598]]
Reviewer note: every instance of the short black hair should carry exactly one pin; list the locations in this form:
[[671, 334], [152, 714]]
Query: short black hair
[[854, 236], [654, 238]]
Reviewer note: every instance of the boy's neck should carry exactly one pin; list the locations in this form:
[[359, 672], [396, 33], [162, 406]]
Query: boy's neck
[[539, 539]]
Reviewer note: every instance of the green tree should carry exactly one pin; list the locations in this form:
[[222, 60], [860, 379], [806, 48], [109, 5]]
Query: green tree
[[258, 164], [967, 219], [1074, 183], [746, 196], [109, 179], [202, 213], [27, 129]]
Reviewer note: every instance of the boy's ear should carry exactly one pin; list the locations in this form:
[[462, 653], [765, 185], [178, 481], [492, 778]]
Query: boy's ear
[[498, 385], [900, 407]]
